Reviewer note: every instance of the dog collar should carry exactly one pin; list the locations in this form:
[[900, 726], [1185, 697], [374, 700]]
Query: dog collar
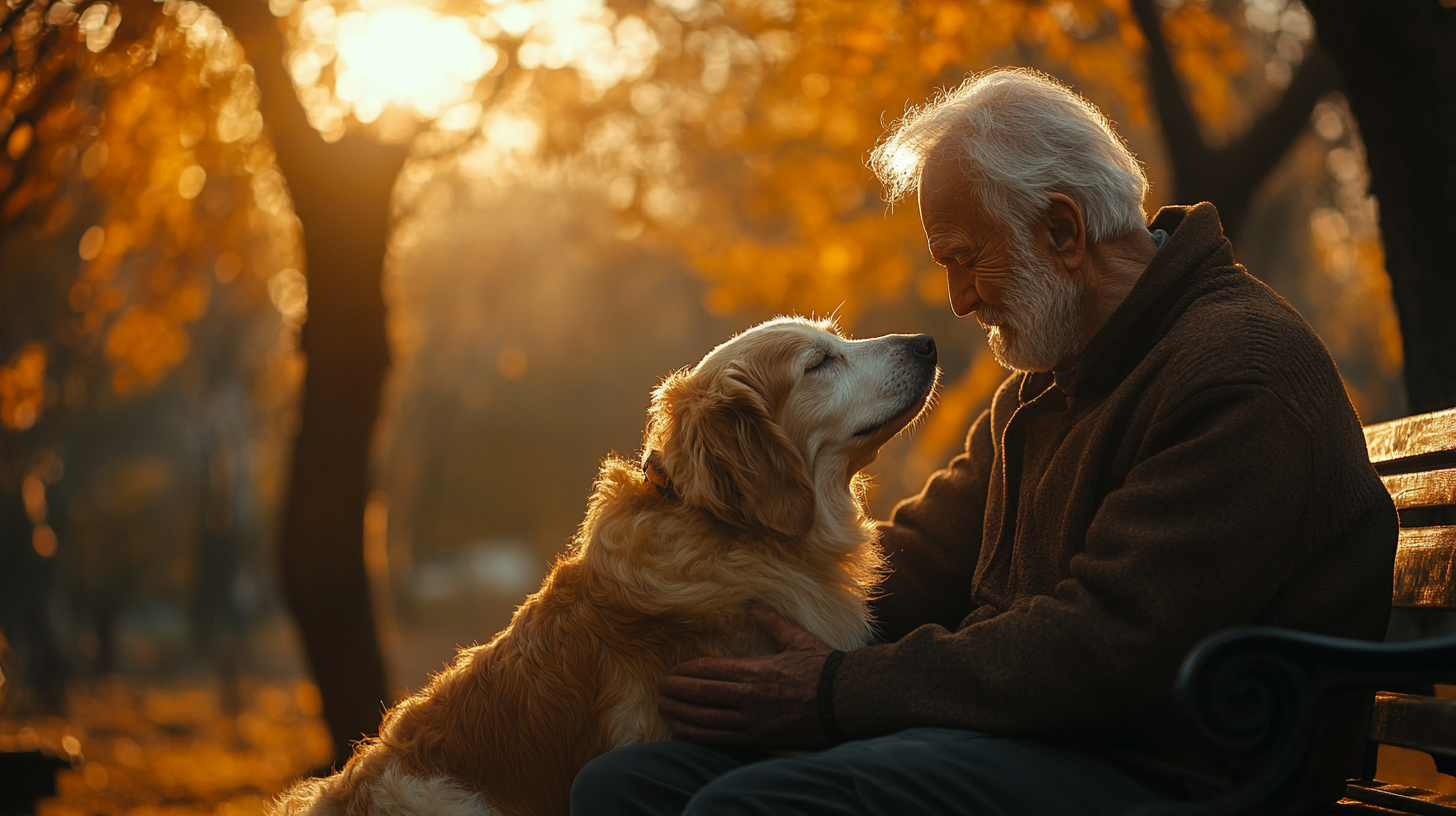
[[653, 474]]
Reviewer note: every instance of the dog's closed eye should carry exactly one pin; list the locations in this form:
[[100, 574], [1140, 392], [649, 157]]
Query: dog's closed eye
[[821, 364]]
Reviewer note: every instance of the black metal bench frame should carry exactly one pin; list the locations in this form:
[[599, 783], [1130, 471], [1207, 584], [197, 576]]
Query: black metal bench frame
[[1257, 693]]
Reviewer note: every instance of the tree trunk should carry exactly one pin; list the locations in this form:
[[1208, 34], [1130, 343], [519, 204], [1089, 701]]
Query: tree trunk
[[1399, 68], [27, 584], [344, 341], [341, 193]]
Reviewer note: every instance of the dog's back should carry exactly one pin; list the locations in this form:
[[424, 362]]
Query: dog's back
[[507, 726]]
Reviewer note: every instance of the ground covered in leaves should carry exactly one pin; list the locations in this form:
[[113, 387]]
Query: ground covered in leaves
[[170, 751]]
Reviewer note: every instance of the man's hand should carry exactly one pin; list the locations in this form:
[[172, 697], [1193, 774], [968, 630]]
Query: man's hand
[[766, 702]]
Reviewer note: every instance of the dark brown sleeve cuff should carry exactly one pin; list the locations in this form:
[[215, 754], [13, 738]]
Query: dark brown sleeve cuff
[[827, 722]]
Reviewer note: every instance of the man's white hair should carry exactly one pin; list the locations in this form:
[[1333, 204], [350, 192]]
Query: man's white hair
[[1019, 135]]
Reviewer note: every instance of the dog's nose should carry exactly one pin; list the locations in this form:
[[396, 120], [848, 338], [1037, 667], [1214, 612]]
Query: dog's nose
[[923, 346]]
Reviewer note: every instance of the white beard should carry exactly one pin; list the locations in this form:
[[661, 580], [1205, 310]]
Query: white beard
[[1040, 326]]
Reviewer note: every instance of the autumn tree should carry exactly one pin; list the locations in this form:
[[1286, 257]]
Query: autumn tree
[[134, 219], [340, 192]]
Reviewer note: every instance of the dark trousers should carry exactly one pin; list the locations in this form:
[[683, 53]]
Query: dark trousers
[[916, 772]]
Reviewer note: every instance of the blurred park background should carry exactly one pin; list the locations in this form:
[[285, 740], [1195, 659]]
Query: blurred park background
[[316, 316]]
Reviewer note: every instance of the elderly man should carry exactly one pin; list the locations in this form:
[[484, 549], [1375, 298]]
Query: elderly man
[[1175, 454]]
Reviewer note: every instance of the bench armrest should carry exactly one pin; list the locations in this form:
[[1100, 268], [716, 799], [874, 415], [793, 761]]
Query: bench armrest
[[1256, 694]]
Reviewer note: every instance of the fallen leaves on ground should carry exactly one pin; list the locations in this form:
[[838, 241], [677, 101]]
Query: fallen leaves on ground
[[175, 750]]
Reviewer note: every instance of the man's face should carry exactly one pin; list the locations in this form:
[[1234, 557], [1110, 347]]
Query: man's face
[[1030, 310]]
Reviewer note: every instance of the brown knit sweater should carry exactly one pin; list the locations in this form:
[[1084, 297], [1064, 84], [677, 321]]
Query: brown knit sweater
[[1201, 468]]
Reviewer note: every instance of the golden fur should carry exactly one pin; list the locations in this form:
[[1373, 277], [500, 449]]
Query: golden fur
[[764, 458]]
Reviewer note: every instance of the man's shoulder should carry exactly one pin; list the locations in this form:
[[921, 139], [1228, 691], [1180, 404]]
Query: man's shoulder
[[1235, 330], [1235, 325]]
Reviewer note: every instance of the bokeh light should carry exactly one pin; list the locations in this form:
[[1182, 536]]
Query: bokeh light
[[407, 55]]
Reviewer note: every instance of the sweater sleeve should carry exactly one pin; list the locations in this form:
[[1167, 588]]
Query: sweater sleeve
[[932, 541], [1200, 535]]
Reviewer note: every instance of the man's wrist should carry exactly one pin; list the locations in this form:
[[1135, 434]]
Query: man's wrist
[[827, 722]]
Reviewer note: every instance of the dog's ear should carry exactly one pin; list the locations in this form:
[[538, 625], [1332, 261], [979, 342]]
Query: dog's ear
[[723, 452]]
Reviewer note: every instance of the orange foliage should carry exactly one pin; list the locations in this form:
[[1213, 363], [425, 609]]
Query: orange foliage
[[1206, 54], [788, 218], [151, 110], [143, 345], [738, 128], [800, 226], [22, 387]]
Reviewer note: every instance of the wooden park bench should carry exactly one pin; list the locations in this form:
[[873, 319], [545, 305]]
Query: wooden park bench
[[1258, 693]]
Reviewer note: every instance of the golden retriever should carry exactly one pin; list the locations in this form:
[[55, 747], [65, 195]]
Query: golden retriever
[[748, 491]]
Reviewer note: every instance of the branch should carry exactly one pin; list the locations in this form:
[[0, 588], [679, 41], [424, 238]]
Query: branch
[[57, 87], [257, 30], [320, 175], [55, 82], [1263, 145], [1227, 176], [1180, 125]]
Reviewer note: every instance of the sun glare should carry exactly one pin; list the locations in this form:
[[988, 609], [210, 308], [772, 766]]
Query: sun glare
[[396, 54], [407, 55]]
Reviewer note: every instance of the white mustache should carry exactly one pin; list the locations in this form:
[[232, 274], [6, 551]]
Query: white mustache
[[991, 317]]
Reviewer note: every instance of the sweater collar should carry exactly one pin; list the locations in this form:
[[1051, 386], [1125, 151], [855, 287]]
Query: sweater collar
[[1195, 241]]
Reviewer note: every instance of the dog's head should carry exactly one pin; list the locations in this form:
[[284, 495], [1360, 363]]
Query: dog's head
[[781, 412]]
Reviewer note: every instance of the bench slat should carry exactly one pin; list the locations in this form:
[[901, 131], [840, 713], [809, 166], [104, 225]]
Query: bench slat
[[1400, 799], [1414, 721], [1430, 436], [1354, 807], [1424, 572], [1430, 489]]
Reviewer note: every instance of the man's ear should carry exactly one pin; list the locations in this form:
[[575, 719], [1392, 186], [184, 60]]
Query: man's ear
[[1067, 233], [723, 452]]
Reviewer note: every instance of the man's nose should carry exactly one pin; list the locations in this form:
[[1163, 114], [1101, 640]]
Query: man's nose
[[964, 299]]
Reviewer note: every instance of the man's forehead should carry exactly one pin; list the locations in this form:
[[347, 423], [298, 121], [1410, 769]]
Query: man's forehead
[[947, 209], [942, 180]]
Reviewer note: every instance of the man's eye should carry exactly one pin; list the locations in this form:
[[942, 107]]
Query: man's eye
[[823, 361]]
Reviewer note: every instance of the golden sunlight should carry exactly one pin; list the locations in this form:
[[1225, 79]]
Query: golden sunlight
[[407, 55], [397, 54]]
